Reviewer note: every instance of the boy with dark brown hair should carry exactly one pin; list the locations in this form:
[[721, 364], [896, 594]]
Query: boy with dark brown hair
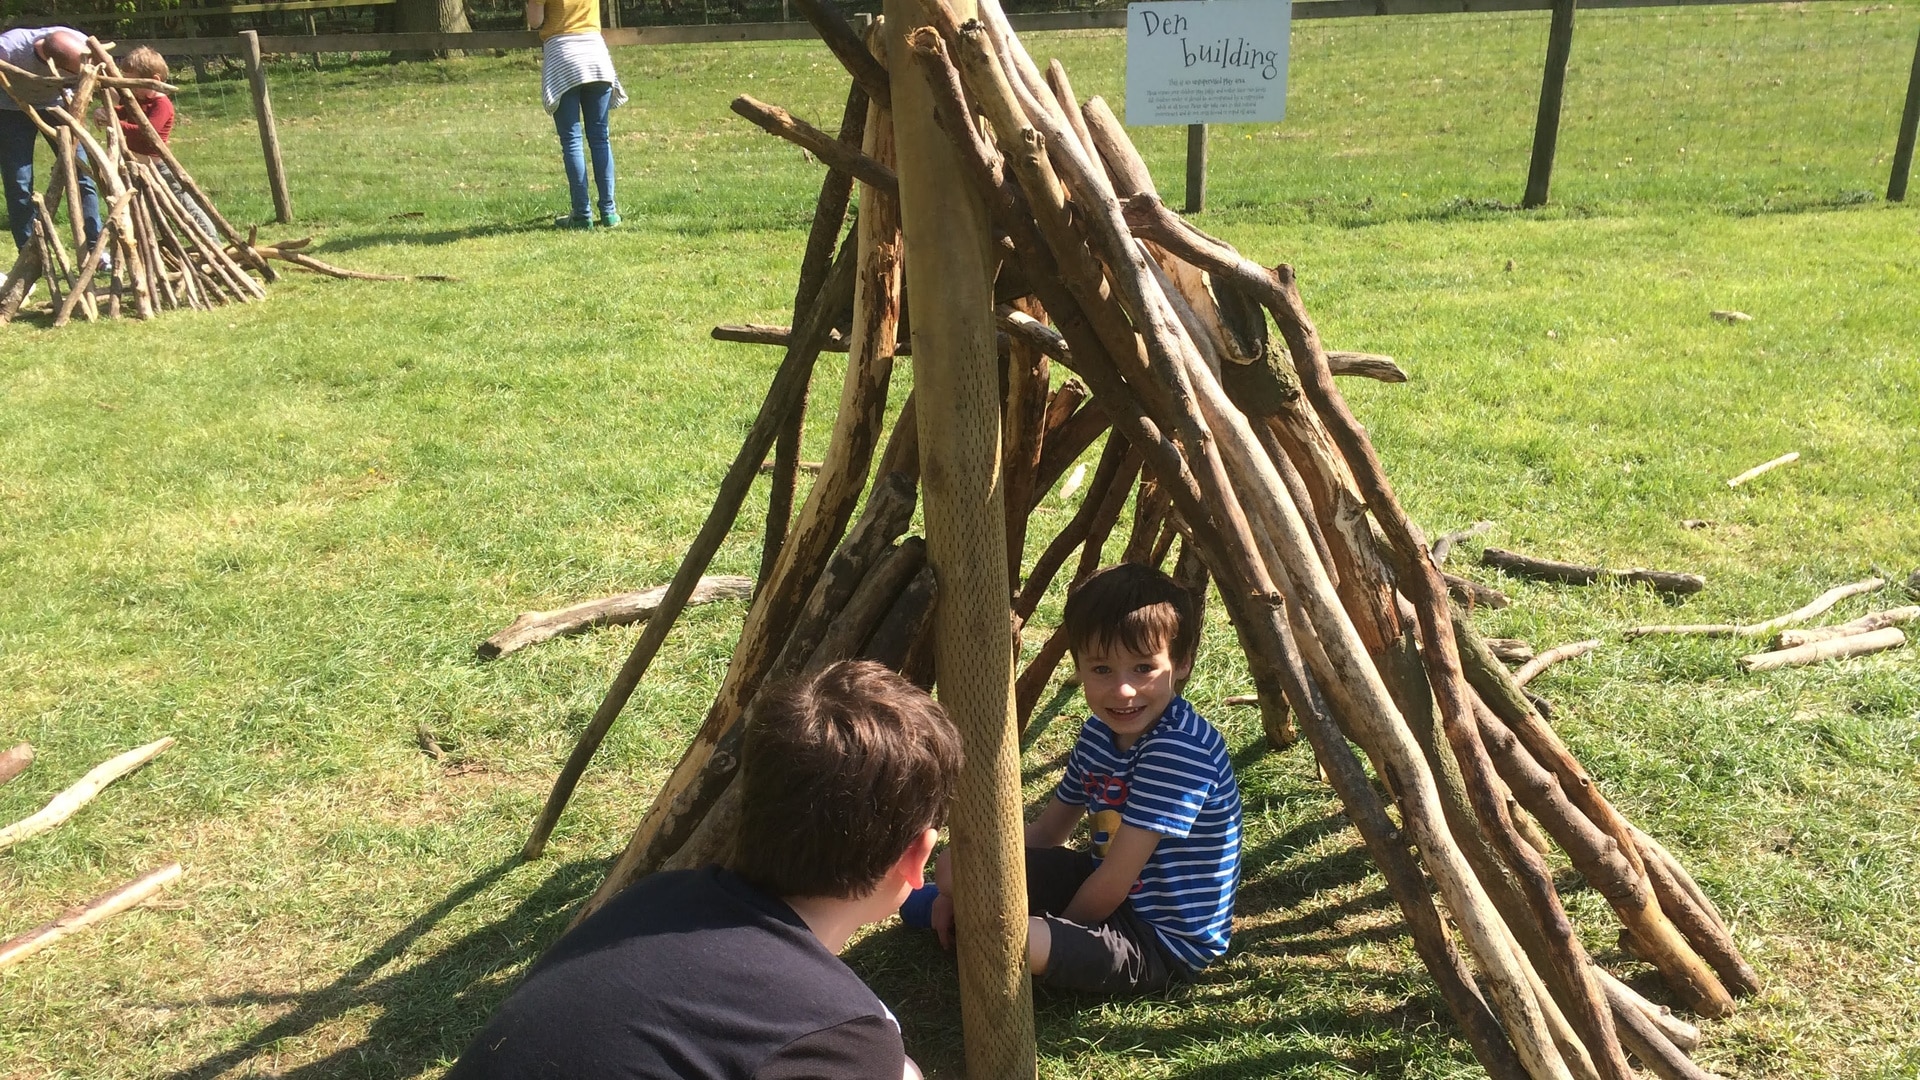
[[734, 972], [1151, 898]]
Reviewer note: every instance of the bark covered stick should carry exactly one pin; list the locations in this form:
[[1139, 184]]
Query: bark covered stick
[[829, 214], [78, 918], [852, 52], [1671, 582], [224, 268], [836, 154], [534, 627], [68, 802], [904, 623], [1127, 273], [1878, 620], [1872, 641], [708, 764], [1099, 509], [84, 276], [107, 174], [805, 561], [789, 382], [15, 761], [1023, 436], [1567, 967], [870, 603], [1819, 605], [1527, 671]]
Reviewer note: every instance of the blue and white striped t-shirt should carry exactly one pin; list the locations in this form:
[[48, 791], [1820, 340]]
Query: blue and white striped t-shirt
[[1175, 781]]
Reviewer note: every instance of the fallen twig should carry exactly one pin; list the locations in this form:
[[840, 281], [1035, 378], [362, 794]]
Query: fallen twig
[[1552, 656], [1366, 366], [67, 803], [1666, 581], [1509, 650], [15, 761], [1768, 466], [1790, 639], [308, 262], [803, 466], [1472, 594], [1818, 605], [534, 627], [429, 745], [1240, 700], [78, 918], [1836, 649], [1443, 547]]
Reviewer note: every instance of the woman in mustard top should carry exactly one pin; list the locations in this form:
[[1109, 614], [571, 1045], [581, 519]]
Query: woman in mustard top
[[579, 87]]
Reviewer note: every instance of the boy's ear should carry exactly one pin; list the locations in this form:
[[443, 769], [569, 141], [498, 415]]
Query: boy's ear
[[912, 863], [1182, 670]]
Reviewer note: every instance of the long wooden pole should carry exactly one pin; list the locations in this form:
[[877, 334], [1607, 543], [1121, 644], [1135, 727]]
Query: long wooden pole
[[949, 255], [1909, 123], [1546, 125], [269, 134]]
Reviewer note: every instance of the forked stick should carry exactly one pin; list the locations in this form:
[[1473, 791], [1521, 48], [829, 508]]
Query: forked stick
[[1817, 606]]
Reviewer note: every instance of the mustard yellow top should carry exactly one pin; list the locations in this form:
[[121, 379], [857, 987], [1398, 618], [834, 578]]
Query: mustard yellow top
[[570, 17]]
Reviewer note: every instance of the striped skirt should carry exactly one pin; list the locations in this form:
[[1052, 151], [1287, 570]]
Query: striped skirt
[[570, 60]]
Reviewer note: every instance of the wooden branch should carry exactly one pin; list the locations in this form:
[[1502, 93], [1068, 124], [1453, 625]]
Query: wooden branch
[[307, 262], [180, 173], [1667, 581], [1682, 1034], [799, 466], [1899, 616], [905, 623], [1872, 641], [1112, 481], [1444, 546], [26, 270], [788, 383], [1552, 656], [15, 761], [76, 919], [1764, 467], [1510, 650], [534, 627], [68, 802], [1366, 366], [844, 40], [1819, 605], [834, 153], [1472, 594]]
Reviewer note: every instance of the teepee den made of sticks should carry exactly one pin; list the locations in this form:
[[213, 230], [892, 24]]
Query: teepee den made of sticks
[[157, 237], [1026, 230]]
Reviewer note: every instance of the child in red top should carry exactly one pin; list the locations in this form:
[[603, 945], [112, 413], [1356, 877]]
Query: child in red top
[[145, 63]]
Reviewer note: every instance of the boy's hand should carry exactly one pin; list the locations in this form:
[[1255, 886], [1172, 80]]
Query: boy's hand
[[943, 920]]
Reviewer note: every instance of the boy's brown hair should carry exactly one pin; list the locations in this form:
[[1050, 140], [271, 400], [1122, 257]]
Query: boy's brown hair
[[1136, 606], [840, 772], [144, 63]]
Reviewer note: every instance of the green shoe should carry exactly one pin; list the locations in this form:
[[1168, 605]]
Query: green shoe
[[571, 222], [609, 219]]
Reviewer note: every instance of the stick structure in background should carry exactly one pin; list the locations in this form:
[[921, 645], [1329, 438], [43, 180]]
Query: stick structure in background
[[1228, 435]]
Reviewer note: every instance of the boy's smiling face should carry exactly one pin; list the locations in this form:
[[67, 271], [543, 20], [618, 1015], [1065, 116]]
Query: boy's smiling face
[[1127, 689]]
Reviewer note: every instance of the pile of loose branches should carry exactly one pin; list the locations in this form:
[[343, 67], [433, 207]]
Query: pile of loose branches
[[1238, 451]]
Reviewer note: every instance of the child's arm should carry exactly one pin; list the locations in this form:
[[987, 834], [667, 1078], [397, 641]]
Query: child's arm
[[536, 13], [1107, 888], [1055, 825]]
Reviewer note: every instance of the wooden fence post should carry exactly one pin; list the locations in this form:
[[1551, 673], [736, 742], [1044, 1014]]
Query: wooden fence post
[[269, 135], [949, 262], [1909, 120], [1196, 168], [1546, 126]]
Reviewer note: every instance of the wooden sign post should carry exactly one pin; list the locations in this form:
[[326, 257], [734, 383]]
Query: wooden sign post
[[269, 134]]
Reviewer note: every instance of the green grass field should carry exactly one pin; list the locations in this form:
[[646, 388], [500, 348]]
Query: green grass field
[[277, 531]]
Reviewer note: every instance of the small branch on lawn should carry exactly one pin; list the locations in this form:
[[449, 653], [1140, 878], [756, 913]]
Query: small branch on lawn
[[1789, 639], [1510, 650], [1820, 651], [804, 466], [1764, 467], [79, 918], [1444, 546], [67, 803], [1818, 606], [1366, 366], [534, 627], [835, 154], [1671, 582], [1551, 657], [1472, 594]]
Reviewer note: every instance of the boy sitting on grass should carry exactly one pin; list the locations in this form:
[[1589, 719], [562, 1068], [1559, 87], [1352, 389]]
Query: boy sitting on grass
[[1151, 900], [729, 973]]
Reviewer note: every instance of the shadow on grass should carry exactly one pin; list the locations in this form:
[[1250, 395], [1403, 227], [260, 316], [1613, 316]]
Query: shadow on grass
[[411, 238], [428, 1007]]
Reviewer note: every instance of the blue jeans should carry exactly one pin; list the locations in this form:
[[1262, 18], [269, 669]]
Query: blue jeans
[[18, 138], [583, 110]]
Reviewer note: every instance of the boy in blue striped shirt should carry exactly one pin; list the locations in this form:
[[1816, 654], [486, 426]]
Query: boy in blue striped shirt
[[1151, 899]]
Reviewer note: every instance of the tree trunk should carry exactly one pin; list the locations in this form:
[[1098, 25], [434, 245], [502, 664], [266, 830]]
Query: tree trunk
[[428, 16]]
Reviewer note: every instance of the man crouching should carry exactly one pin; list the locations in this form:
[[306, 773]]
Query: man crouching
[[733, 972]]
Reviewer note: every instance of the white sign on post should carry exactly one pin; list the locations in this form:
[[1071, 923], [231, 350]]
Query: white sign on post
[[1207, 61]]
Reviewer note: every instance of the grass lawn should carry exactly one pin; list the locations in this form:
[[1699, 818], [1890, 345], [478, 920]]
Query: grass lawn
[[277, 531]]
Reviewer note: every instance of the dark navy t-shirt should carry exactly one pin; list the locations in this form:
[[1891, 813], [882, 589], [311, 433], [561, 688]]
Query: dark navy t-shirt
[[688, 974]]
